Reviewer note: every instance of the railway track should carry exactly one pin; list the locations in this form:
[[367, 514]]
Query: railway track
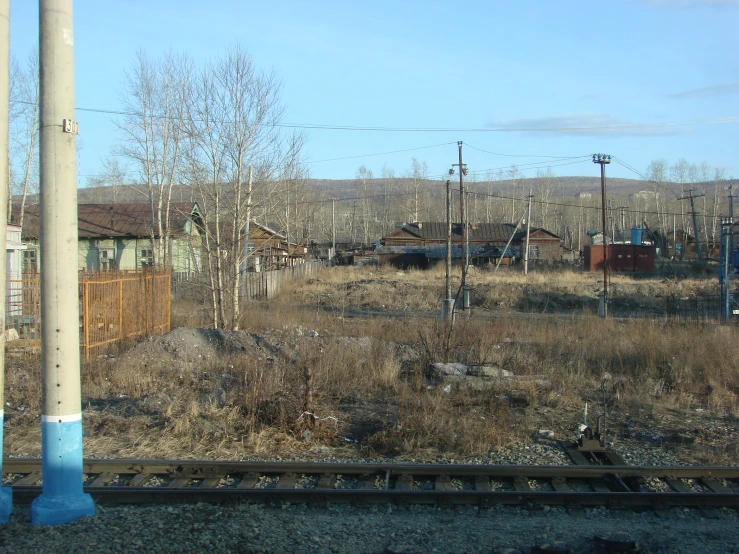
[[117, 482]]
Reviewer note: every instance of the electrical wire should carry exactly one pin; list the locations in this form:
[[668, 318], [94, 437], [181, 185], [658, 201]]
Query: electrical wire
[[521, 155], [330, 127], [380, 153]]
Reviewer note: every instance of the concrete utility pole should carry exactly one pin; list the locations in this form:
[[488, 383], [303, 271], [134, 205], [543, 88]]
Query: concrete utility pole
[[287, 223], [462, 214], [727, 229], [674, 237], [448, 306], [62, 499], [602, 160], [731, 216], [692, 198], [6, 493], [623, 224], [528, 232]]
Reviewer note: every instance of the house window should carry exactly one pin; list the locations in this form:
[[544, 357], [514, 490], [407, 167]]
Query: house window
[[146, 258], [533, 252], [30, 261], [107, 259]]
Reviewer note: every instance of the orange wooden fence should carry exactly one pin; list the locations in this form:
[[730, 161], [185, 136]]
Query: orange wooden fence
[[114, 306]]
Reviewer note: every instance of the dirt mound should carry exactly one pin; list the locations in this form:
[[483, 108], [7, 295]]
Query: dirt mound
[[187, 348]]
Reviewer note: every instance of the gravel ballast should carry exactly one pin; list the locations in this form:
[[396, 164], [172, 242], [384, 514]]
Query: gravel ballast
[[375, 530]]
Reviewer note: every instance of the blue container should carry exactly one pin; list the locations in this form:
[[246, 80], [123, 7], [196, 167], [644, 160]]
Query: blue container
[[637, 234]]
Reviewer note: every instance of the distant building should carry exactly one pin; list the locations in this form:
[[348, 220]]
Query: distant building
[[119, 237], [644, 195], [418, 244]]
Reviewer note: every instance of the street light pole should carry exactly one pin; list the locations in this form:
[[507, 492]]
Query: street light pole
[[602, 160]]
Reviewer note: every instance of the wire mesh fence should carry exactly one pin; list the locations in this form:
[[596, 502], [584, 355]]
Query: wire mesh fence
[[114, 306]]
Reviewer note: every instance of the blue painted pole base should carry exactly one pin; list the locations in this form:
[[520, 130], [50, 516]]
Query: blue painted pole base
[[61, 509], [6, 504], [62, 499]]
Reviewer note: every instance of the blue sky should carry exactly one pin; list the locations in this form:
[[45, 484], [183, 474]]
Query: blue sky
[[638, 79]]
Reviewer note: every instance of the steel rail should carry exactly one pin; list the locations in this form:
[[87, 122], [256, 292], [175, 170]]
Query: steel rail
[[208, 468], [204, 468], [116, 481]]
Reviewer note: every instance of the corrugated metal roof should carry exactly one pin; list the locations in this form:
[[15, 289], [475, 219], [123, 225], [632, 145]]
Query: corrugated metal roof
[[113, 220]]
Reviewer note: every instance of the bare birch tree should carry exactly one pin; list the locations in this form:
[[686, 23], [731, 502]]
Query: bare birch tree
[[154, 96], [24, 130], [363, 177], [236, 156]]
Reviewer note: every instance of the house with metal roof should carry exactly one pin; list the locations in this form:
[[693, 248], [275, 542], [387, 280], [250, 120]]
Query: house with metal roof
[[269, 249], [119, 237], [422, 243]]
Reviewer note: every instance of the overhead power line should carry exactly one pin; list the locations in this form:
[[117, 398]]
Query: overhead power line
[[380, 153], [522, 155], [332, 127]]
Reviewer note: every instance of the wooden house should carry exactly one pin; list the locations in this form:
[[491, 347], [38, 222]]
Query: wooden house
[[119, 237], [268, 249], [419, 244]]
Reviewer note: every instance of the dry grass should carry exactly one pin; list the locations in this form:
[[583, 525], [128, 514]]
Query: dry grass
[[366, 380]]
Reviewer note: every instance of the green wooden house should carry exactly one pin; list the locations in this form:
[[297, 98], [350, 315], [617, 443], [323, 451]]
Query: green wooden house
[[119, 237]]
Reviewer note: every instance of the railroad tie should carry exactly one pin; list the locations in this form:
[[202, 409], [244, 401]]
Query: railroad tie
[[521, 483], [248, 481], [482, 483], [103, 479], [28, 480], [210, 482], [715, 485], [599, 485], [139, 479], [287, 481], [326, 481], [678, 486], [179, 483], [443, 483], [404, 482], [366, 482]]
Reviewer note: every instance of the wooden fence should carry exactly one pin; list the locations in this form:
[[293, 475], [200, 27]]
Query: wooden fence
[[114, 306], [266, 284]]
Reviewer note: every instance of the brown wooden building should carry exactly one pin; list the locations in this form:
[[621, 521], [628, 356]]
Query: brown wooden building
[[419, 244]]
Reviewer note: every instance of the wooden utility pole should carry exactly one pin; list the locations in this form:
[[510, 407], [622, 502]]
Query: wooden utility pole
[[602, 160], [333, 229], [690, 196], [528, 232]]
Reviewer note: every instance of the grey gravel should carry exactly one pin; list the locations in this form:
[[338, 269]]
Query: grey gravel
[[338, 529]]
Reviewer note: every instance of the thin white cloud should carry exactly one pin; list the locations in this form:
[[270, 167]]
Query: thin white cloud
[[678, 4], [585, 124], [723, 89]]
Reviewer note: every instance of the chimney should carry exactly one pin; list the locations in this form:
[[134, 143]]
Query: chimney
[[420, 224]]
